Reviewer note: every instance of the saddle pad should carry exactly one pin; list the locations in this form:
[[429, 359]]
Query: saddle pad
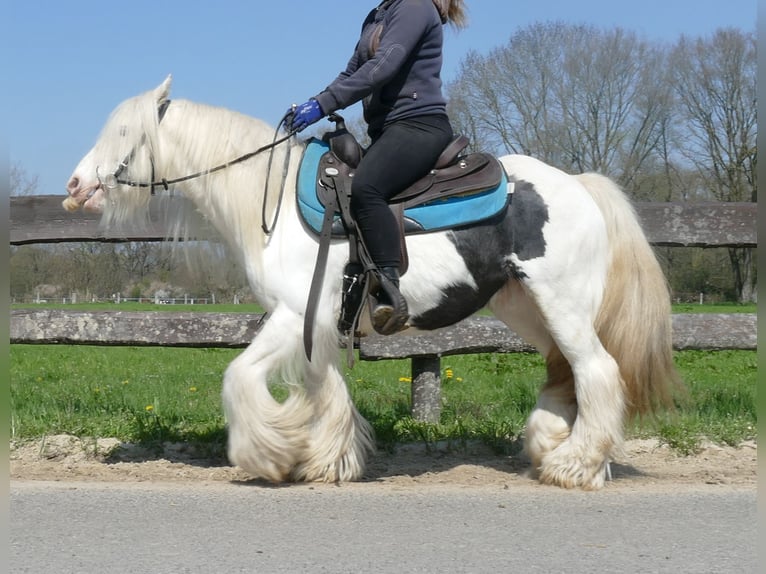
[[433, 216]]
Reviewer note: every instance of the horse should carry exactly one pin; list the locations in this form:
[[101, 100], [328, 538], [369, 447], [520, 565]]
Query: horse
[[565, 265]]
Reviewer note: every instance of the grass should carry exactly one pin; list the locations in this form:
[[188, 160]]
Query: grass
[[253, 308], [722, 400], [715, 308], [150, 395]]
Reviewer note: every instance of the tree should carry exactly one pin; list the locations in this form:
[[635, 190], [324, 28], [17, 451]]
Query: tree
[[715, 85], [142, 259], [90, 268], [20, 182], [27, 264], [211, 269], [29, 267], [576, 97], [667, 122]]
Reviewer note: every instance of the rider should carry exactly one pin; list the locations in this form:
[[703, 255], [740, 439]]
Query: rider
[[396, 70]]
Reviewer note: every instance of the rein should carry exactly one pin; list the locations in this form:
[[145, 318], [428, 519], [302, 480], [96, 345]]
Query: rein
[[114, 180], [168, 182]]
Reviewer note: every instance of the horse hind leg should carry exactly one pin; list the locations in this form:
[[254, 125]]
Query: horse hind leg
[[582, 458], [550, 422], [577, 423]]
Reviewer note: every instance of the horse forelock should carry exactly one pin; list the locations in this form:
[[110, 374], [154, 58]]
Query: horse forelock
[[129, 134]]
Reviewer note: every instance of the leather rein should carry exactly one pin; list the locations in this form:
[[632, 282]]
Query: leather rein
[[113, 180]]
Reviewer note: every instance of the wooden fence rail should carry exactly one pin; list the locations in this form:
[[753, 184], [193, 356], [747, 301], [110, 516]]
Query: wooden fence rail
[[478, 334], [41, 219]]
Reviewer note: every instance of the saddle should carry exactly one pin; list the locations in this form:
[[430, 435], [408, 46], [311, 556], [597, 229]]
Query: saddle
[[456, 174]]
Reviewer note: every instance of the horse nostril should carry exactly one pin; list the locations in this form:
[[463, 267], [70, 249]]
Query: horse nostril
[[73, 184]]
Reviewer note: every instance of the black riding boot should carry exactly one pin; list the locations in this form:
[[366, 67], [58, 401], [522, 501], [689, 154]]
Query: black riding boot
[[351, 299], [390, 312]]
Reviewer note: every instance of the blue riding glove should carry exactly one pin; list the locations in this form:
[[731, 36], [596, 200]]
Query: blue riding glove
[[303, 116]]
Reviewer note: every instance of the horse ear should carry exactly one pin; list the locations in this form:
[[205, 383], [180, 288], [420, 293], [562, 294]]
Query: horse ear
[[163, 90]]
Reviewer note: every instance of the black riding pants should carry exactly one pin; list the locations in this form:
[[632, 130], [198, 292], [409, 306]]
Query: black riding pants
[[401, 154]]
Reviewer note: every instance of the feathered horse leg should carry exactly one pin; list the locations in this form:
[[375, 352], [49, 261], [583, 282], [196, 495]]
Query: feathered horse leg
[[340, 439], [267, 438], [316, 434]]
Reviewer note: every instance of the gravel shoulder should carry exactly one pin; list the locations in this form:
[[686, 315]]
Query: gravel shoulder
[[646, 465]]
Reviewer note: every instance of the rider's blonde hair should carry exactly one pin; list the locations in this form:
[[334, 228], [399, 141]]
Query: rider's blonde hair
[[452, 12]]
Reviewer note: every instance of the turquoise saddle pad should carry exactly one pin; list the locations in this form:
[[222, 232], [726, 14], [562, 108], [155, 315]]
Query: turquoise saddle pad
[[433, 216]]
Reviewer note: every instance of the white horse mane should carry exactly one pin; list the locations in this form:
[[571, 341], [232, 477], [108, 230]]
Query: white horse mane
[[193, 138]]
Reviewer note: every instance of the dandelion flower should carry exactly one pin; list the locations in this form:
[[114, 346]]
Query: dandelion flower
[[192, 389], [149, 408], [405, 379]]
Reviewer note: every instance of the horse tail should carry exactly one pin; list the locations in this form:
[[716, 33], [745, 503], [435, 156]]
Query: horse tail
[[634, 320]]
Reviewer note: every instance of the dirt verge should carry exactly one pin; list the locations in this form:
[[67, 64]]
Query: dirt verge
[[646, 464]]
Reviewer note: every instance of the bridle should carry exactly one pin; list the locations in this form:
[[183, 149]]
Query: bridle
[[112, 180]]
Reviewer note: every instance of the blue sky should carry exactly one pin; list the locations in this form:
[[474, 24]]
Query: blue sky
[[70, 63]]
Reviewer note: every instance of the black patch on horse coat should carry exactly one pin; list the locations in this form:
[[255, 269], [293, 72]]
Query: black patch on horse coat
[[528, 216], [486, 248]]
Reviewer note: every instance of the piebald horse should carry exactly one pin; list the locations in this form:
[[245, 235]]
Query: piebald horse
[[566, 265]]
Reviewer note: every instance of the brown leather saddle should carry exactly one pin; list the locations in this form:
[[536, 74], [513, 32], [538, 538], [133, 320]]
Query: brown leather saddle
[[456, 173]]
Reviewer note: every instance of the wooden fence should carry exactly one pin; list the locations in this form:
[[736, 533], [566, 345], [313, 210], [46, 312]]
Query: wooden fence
[[40, 219]]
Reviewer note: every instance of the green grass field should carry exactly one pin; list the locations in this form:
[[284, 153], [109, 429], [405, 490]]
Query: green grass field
[[252, 308], [150, 395]]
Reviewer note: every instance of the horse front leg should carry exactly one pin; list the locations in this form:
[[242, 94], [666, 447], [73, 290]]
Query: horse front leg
[[340, 439], [267, 438]]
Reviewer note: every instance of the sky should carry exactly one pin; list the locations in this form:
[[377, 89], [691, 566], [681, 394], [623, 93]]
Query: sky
[[70, 63]]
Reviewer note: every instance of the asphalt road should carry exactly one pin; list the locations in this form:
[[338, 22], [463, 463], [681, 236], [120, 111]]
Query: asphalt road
[[104, 528]]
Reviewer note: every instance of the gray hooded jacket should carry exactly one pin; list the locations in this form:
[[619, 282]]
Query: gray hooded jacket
[[396, 66]]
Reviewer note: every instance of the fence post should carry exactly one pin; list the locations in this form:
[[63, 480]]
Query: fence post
[[426, 389]]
